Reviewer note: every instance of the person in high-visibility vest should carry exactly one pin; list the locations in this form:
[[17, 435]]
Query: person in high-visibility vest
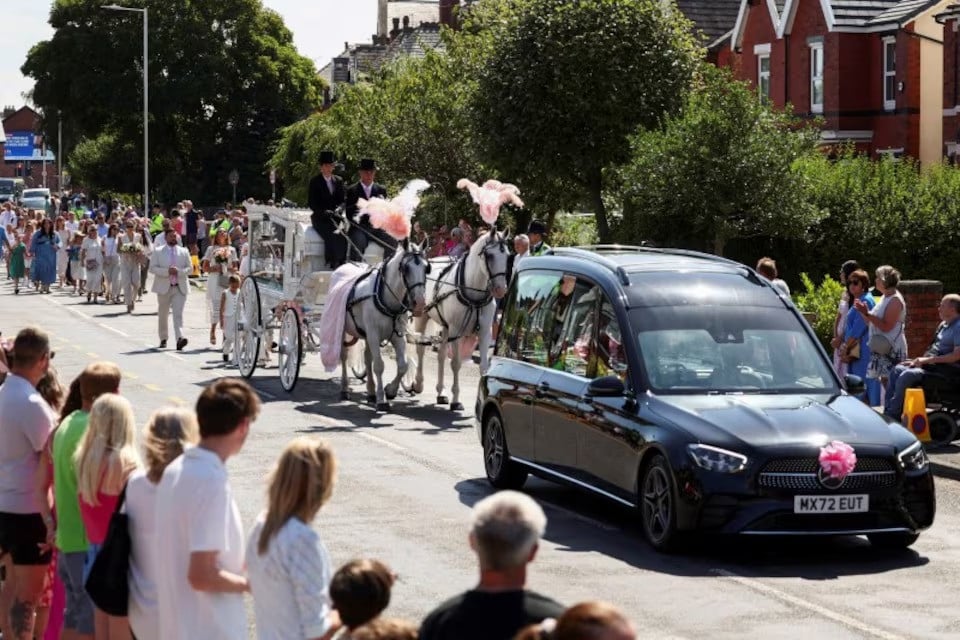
[[156, 222], [222, 222]]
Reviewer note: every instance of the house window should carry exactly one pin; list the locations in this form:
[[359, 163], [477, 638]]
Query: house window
[[890, 73], [816, 77], [763, 76]]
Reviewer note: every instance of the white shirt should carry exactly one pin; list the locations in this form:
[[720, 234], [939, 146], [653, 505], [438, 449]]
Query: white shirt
[[519, 257], [196, 512], [230, 303], [8, 219], [290, 582], [140, 507], [26, 421], [110, 247]]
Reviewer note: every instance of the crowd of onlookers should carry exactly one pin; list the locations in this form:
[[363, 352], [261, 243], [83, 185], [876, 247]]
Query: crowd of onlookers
[[71, 471]]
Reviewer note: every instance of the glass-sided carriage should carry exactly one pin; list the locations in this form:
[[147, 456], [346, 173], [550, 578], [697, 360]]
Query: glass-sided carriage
[[283, 297]]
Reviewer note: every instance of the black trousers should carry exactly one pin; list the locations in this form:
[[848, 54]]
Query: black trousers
[[334, 244]]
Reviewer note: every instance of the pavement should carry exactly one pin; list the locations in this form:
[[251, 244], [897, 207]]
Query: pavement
[[407, 480]]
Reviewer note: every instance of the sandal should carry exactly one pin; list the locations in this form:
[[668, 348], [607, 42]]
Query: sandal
[[213, 337]]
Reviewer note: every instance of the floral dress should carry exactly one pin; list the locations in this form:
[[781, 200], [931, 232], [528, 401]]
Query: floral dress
[[881, 365]]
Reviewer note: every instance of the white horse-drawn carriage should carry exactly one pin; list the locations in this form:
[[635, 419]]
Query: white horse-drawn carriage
[[283, 299]]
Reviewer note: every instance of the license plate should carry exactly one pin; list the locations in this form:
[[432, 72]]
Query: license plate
[[831, 504]]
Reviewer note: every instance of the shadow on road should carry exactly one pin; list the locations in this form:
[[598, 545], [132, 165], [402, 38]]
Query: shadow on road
[[581, 523]]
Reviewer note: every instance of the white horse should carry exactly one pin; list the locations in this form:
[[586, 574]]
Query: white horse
[[377, 313], [462, 304]]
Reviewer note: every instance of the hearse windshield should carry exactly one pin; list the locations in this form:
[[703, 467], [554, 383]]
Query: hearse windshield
[[729, 349]]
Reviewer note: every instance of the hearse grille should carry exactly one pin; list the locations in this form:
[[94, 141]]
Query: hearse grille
[[800, 474]]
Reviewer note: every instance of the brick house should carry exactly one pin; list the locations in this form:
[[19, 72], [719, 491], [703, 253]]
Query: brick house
[[23, 150], [871, 69], [950, 19]]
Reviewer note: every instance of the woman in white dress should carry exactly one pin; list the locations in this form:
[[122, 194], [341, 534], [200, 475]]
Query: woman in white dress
[[111, 264], [218, 263], [60, 227], [91, 257]]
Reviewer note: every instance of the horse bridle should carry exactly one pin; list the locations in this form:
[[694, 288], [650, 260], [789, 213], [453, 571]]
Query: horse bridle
[[407, 300]]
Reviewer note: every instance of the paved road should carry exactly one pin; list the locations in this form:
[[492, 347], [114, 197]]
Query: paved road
[[408, 479]]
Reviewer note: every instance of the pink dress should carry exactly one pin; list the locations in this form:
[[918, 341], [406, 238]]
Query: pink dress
[[96, 518]]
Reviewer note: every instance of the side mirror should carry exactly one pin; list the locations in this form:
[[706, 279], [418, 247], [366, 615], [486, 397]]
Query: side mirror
[[854, 384], [606, 387]]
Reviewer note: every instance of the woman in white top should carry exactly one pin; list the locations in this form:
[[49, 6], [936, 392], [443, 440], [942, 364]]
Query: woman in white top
[[91, 257], [886, 319], [166, 435], [218, 263], [111, 264], [287, 565], [60, 227]]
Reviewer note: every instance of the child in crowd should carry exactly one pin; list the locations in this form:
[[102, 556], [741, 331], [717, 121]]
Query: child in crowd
[[228, 315], [73, 255], [18, 261], [360, 591]]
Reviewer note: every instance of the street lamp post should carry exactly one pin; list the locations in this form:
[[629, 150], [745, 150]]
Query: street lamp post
[[146, 125]]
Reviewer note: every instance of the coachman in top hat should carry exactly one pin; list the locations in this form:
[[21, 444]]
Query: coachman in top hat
[[326, 193], [362, 231]]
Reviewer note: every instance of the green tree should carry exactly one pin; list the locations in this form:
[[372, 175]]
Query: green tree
[[224, 76], [562, 85], [723, 168]]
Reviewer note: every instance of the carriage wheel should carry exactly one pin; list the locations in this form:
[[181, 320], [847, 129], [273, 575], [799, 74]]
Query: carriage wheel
[[408, 379], [249, 327], [290, 350]]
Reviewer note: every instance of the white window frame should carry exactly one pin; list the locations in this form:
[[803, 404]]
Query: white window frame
[[815, 48], [762, 51], [889, 101]]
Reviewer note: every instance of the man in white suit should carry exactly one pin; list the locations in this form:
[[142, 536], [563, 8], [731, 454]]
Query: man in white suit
[[171, 266]]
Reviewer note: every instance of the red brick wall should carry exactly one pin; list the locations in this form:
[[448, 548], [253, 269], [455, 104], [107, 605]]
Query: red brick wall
[[758, 29], [27, 120], [923, 299], [808, 21]]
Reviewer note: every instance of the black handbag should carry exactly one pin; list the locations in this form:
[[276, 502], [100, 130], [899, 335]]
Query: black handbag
[[108, 585]]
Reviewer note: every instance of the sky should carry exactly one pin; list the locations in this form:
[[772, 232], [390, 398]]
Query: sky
[[320, 27]]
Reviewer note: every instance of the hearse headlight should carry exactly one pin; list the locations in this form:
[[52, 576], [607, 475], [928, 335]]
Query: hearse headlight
[[716, 459], [914, 457]]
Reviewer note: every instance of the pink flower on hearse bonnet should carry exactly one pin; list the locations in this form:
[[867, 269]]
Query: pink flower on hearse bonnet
[[491, 196], [837, 459]]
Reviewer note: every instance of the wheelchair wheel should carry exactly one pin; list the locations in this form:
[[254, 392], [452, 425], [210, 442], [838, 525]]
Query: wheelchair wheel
[[943, 428]]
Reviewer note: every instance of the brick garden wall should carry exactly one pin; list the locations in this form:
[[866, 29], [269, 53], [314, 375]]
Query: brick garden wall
[[923, 299]]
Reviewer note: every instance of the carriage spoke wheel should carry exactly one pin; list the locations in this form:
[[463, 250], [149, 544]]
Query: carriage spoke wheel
[[289, 350], [249, 328]]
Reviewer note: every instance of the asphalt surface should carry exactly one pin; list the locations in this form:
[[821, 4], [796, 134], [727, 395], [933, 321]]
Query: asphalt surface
[[407, 480]]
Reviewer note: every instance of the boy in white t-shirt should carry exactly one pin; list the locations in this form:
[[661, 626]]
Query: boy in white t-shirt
[[199, 536], [228, 315]]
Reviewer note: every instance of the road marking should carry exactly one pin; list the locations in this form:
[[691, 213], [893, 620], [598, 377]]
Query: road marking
[[151, 387], [177, 401], [92, 355], [109, 328], [773, 592], [132, 376], [175, 356]]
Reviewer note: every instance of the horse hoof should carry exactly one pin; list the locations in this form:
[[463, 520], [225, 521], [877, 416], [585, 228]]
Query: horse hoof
[[371, 398], [383, 406], [456, 406], [344, 395], [390, 394], [442, 400]]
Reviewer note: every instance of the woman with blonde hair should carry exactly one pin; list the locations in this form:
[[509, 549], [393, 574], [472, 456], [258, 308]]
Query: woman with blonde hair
[[167, 434], [104, 460], [287, 564]]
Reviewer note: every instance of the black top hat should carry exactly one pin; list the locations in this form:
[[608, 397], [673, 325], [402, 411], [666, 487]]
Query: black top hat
[[537, 227], [368, 164], [326, 157]]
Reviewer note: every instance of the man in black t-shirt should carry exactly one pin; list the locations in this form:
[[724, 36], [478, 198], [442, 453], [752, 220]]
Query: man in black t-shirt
[[505, 534]]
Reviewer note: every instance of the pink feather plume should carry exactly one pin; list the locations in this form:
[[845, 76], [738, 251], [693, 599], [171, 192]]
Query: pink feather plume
[[491, 196], [393, 216]]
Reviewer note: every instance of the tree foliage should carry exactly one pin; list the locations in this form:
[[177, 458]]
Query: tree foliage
[[411, 119], [723, 168], [561, 85], [223, 77]]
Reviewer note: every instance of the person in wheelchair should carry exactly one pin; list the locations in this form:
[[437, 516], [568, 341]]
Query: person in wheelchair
[[942, 358]]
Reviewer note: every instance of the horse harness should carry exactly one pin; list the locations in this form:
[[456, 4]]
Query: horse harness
[[460, 290], [379, 291]]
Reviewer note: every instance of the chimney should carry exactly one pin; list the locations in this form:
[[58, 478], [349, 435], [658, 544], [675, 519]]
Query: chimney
[[447, 13], [406, 22], [382, 18], [396, 29]]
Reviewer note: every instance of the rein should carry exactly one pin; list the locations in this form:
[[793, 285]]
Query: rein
[[379, 297]]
